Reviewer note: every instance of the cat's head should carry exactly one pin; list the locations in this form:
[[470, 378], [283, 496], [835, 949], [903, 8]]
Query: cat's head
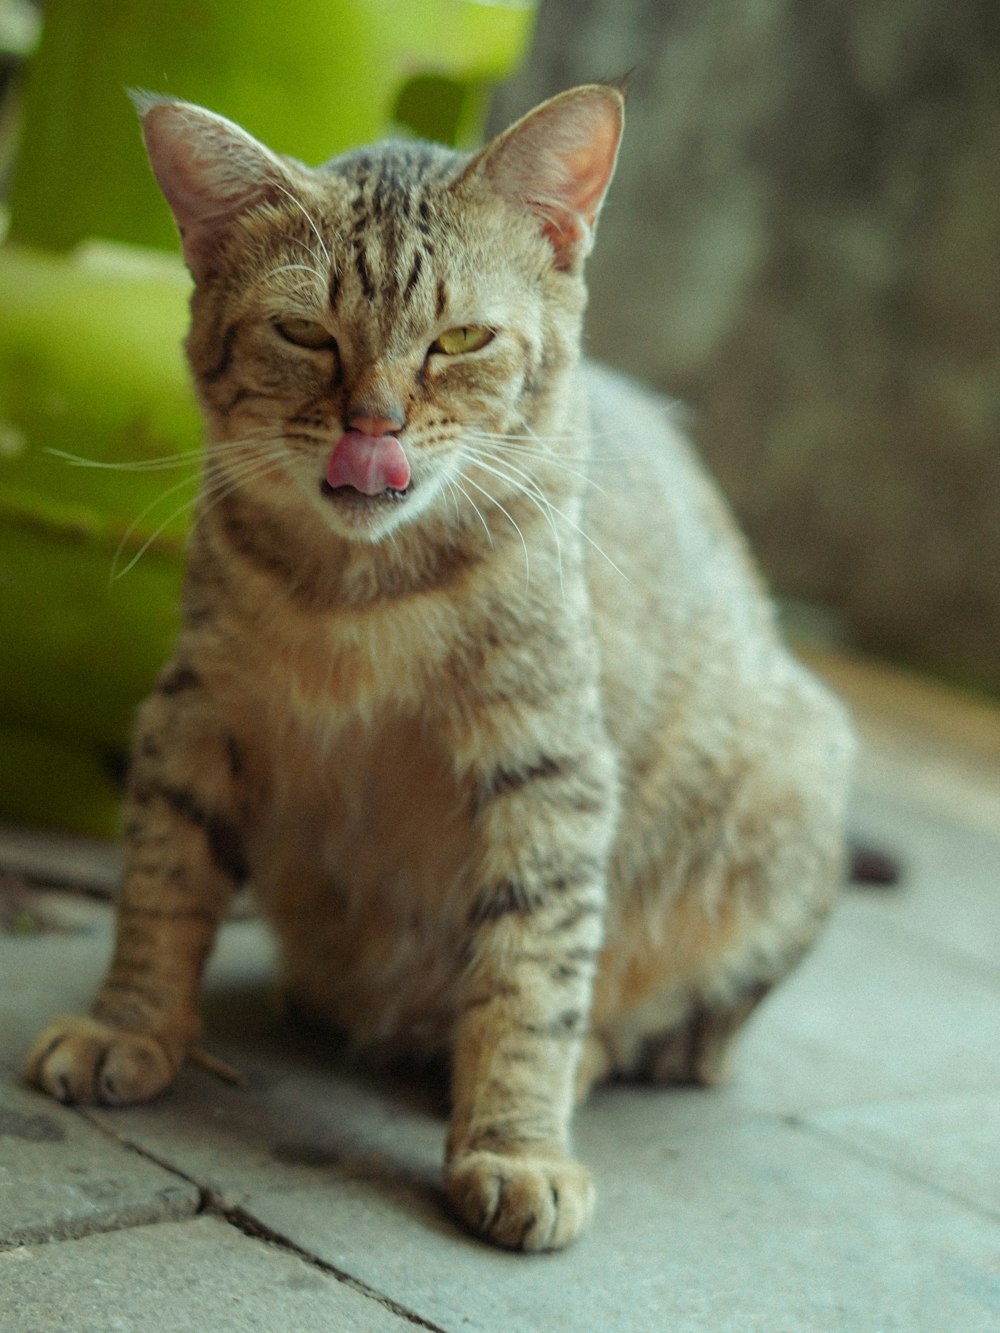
[[378, 334]]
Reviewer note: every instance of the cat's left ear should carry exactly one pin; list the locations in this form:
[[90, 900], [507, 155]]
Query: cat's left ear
[[210, 171], [558, 162]]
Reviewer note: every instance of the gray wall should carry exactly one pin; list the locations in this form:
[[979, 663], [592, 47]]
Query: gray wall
[[803, 243]]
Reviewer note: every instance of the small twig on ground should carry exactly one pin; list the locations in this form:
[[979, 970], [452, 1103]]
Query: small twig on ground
[[213, 1065]]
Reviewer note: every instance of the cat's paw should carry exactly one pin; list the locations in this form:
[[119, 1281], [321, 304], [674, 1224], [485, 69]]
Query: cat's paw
[[78, 1059], [523, 1201]]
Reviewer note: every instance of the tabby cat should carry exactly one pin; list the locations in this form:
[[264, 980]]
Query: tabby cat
[[475, 683]]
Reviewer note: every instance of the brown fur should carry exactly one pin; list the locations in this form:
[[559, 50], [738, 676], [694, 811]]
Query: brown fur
[[517, 762]]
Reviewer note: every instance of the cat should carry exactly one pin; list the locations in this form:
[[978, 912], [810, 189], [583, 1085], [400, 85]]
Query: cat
[[476, 682]]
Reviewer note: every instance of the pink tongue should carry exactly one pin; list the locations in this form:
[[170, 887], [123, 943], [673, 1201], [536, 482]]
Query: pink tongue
[[369, 463]]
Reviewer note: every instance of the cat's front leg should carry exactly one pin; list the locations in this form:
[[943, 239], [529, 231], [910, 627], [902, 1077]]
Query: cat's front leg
[[182, 860], [537, 916]]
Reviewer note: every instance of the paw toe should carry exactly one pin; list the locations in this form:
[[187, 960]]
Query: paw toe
[[521, 1203], [79, 1059]]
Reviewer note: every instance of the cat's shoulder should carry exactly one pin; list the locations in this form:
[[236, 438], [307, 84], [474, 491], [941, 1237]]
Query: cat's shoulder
[[634, 423], [642, 440]]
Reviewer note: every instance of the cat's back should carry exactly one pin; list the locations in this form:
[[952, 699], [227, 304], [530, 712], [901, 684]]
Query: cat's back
[[695, 668], [668, 564]]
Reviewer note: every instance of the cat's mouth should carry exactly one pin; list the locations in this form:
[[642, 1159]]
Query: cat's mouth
[[372, 465], [366, 477], [362, 499]]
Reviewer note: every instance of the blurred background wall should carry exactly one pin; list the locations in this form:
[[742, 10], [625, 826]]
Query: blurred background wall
[[803, 244]]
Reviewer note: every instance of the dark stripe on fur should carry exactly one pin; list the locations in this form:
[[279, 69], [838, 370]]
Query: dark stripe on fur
[[178, 679], [500, 900], [414, 278], [222, 836], [503, 780], [234, 754], [364, 276], [578, 912], [872, 865], [150, 747], [225, 356], [568, 1024], [258, 539], [511, 895]]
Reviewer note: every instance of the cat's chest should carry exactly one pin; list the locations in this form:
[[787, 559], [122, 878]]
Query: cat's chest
[[357, 783], [315, 672]]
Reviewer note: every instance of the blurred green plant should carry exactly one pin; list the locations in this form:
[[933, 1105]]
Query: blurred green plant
[[90, 359]]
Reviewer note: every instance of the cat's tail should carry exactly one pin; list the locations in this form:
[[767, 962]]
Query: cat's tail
[[872, 866]]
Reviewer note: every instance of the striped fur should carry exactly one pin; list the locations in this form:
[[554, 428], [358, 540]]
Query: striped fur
[[515, 760]]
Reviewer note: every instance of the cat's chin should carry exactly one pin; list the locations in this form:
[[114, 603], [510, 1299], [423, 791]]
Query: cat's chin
[[365, 517]]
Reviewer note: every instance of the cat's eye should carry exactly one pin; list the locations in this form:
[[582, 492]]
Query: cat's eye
[[467, 338], [305, 332]]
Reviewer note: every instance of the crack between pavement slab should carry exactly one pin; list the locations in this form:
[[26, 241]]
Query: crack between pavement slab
[[110, 1132], [873, 1158], [210, 1204], [256, 1230]]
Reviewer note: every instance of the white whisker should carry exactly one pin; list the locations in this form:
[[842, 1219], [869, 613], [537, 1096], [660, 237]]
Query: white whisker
[[449, 486], [243, 469], [298, 268], [305, 213], [537, 495], [546, 446], [558, 464], [453, 481], [533, 492], [134, 465], [493, 500], [117, 573]]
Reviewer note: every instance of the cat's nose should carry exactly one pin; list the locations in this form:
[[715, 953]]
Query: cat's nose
[[371, 424]]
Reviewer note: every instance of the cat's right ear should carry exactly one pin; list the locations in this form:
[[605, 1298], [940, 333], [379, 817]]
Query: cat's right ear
[[209, 170], [557, 163]]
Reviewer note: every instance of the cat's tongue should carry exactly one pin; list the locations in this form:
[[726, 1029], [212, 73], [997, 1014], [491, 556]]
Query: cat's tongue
[[369, 463]]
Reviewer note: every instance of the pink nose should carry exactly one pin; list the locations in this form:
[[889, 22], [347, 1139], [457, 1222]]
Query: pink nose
[[375, 425]]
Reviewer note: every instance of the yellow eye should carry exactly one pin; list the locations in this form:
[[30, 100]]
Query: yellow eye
[[304, 332], [468, 338]]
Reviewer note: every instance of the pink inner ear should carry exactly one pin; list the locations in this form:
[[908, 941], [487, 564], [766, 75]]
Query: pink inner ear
[[558, 161], [209, 170], [179, 145], [589, 168]]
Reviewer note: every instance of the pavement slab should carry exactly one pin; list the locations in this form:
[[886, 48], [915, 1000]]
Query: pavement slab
[[873, 1013], [180, 1277], [949, 1139], [755, 1226], [950, 894], [61, 1177]]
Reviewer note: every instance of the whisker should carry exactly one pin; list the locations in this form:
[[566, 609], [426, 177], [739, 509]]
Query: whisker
[[298, 268], [305, 213], [566, 518], [450, 488], [244, 469], [533, 492], [182, 458], [163, 464], [493, 500], [212, 494], [453, 481], [551, 456], [117, 573], [541, 441]]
